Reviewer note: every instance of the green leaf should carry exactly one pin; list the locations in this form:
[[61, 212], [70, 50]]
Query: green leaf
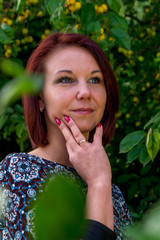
[[144, 157], [122, 37], [11, 68], [59, 211], [131, 140], [5, 35], [94, 27], [20, 3], [154, 120], [88, 14], [115, 5], [153, 142], [19, 129], [134, 153], [8, 30], [52, 6], [117, 21]]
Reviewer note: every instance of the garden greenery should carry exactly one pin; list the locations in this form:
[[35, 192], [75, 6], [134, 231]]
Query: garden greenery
[[128, 32]]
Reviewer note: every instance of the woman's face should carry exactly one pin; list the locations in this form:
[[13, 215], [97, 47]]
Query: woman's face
[[74, 86]]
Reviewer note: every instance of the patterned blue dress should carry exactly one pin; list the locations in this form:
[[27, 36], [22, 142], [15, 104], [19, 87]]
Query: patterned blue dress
[[21, 179]]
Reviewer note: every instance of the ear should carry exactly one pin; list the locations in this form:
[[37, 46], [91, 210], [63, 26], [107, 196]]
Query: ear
[[41, 104]]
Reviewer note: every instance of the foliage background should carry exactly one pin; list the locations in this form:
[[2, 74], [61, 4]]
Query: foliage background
[[128, 33]]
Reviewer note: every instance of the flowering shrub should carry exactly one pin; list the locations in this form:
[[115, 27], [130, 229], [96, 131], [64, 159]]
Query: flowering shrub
[[128, 33]]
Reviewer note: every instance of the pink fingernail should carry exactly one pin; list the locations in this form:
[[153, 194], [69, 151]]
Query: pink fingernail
[[58, 121], [99, 125], [67, 118]]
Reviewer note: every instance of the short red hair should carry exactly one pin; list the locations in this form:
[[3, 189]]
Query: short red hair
[[34, 119]]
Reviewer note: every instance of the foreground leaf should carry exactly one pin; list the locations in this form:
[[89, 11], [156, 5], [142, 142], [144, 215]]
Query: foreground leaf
[[59, 211]]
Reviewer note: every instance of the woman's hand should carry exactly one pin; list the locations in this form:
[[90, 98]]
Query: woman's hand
[[89, 159], [92, 164]]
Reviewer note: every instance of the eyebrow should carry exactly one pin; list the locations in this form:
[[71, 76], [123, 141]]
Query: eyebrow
[[69, 71]]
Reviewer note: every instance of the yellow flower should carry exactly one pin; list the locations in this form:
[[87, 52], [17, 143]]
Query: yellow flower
[[101, 37], [157, 76], [18, 42], [141, 58], [105, 7], [138, 123], [40, 14], [111, 39], [135, 100], [148, 84], [143, 89], [130, 52], [9, 22], [43, 36], [4, 20], [77, 26], [128, 115], [117, 125], [100, 10], [72, 2], [102, 30], [25, 31], [71, 8], [47, 31], [158, 54], [77, 6], [146, 10], [21, 18], [8, 53], [142, 35], [120, 49]]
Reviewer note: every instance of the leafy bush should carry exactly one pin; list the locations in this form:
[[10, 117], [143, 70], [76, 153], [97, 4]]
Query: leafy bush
[[128, 33]]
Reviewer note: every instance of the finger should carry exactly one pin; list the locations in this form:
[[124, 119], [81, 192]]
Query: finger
[[67, 134], [79, 137], [97, 139]]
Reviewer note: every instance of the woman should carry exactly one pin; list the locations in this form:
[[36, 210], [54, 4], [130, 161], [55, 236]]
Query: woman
[[69, 124]]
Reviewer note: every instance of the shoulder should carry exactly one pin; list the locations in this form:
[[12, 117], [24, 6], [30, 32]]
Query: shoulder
[[19, 167]]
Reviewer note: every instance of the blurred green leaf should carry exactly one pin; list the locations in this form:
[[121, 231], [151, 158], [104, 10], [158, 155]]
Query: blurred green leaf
[[94, 27], [153, 142], [117, 21], [148, 228], [24, 84], [59, 210], [11, 68], [6, 34], [122, 37], [52, 6], [131, 140], [115, 5], [88, 14]]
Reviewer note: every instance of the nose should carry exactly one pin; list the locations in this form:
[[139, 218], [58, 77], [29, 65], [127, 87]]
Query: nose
[[83, 91]]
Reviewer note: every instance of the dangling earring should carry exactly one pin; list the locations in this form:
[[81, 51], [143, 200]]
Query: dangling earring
[[41, 110]]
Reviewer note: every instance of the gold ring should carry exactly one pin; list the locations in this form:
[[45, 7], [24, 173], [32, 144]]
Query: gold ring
[[84, 140]]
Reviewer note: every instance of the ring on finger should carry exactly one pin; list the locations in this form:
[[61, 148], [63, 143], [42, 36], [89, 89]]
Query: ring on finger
[[84, 140]]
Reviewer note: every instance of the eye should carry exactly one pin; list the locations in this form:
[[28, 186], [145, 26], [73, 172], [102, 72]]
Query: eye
[[94, 80], [65, 79]]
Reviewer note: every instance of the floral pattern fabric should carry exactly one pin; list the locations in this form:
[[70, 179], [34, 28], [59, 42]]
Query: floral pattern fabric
[[22, 176]]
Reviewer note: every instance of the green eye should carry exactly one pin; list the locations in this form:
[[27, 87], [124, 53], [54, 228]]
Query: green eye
[[94, 80], [65, 79]]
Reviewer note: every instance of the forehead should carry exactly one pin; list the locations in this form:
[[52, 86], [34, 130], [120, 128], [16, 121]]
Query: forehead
[[70, 56]]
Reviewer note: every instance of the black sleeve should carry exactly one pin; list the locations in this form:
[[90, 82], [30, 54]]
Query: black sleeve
[[94, 230]]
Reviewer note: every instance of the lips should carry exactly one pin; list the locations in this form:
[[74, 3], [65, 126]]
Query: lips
[[83, 110]]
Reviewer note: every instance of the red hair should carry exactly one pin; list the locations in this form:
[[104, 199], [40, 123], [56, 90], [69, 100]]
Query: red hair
[[34, 119]]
